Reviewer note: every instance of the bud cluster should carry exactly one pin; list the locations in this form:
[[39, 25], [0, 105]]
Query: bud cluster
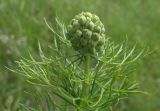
[[86, 33]]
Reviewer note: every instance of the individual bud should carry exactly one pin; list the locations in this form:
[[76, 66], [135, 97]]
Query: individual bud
[[76, 24], [82, 20], [103, 30], [98, 23], [78, 33], [87, 34], [83, 42], [97, 29], [89, 14], [73, 20], [95, 18], [77, 17], [90, 25], [103, 37], [70, 29], [85, 14], [95, 36], [100, 43], [88, 19], [91, 44]]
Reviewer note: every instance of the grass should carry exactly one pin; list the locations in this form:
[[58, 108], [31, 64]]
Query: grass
[[24, 21]]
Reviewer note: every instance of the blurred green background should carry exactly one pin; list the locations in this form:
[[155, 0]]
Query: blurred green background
[[22, 25]]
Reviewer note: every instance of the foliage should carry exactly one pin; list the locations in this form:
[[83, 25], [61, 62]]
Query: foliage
[[137, 20], [78, 82]]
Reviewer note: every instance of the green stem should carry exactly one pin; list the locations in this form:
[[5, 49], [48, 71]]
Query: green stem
[[85, 84]]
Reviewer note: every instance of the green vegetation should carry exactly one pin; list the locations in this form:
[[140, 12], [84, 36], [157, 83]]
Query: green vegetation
[[22, 25]]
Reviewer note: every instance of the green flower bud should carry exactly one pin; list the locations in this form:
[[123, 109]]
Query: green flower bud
[[100, 43], [101, 25], [77, 17], [83, 42], [95, 18], [70, 29], [86, 33], [88, 19], [91, 44], [90, 25], [73, 20], [97, 29], [82, 20], [103, 37], [103, 30], [76, 24], [95, 36], [91, 50], [89, 14], [78, 33]]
